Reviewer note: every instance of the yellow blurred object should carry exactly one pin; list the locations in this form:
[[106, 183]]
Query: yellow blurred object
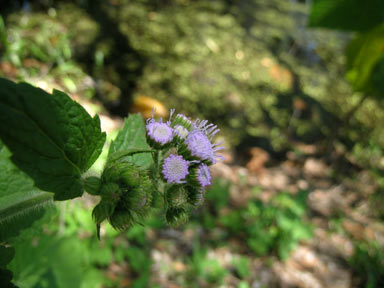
[[145, 105], [281, 75]]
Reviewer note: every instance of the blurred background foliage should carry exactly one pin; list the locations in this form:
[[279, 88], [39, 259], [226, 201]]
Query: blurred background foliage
[[254, 68]]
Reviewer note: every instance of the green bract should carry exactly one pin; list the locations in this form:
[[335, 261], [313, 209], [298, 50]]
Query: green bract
[[126, 193]]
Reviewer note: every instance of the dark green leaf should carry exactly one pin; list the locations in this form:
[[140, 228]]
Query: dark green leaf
[[378, 76], [352, 15], [6, 255], [20, 202], [131, 137], [52, 138], [5, 279], [363, 53]]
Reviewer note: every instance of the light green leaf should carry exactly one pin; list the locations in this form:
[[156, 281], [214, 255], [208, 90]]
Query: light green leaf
[[363, 53], [52, 138], [20, 202], [50, 262], [130, 138]]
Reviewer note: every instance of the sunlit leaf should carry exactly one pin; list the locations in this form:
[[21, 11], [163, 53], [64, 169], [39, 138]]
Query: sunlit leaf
[[132, 137], [52, 138], [21, 204]]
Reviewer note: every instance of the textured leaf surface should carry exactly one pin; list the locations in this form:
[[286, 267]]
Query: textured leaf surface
[[58, 262], [132, 137], [52, 138], [21, 203], [352, 15]]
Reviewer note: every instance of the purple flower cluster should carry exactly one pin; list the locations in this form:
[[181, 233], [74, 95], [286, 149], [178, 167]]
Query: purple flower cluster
[[188, 148]]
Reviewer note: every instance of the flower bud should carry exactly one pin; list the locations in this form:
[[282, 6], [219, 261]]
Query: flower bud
[[126, 194], [176, 195], [92, 185], [183, 121], [102, 211], [176, 215]]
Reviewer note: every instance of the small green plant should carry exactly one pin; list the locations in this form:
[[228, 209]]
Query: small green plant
[[54, 141], [242, 266], [368, 264], [274, 226], [205, 269]]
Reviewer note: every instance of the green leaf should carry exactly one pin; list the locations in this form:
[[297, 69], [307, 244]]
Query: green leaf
[[50, 261], [130, 138], [352, 15], [128, 152], [52, 138], [378, 76], [5, 279], [363, 53], [21, 203], [6, 255]]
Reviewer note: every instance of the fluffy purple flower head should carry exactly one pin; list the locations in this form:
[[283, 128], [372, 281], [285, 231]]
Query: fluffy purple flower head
[[159, 132], [208, 129], [204, 175], [175, 169], [200, 146]]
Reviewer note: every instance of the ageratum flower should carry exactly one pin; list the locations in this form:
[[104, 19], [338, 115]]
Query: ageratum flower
[[209, 130], [201, 147], [158, 132], [204, 175], [175, 169]]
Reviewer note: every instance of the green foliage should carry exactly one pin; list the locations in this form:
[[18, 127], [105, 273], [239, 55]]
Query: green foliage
[[52, 138], [3, 36], [20, 202], [51, 44], [204, 269], [51, 262], [363, 54], [218, 194], [6, 255], [368, 263], [378, 76], [276, 226], [242, 266], [132, 136], [354, 15]]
